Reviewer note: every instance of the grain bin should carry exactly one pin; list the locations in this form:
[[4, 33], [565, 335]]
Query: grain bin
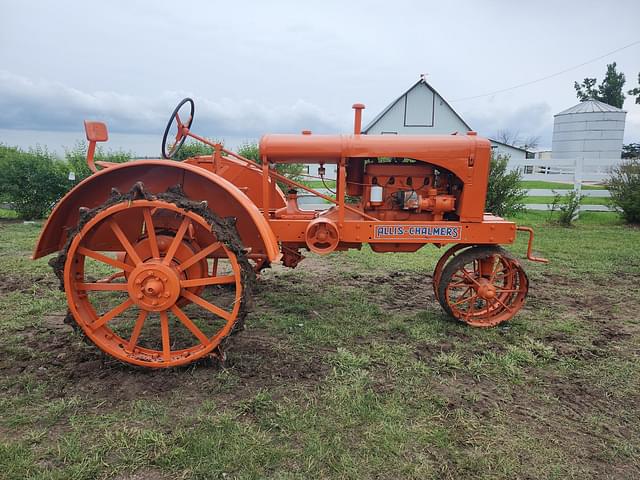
[[589, 130]]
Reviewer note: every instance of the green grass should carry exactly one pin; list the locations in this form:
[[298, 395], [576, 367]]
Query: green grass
[[8, 214], [541, 184], [348, 369], [318, 183], [584, 201]]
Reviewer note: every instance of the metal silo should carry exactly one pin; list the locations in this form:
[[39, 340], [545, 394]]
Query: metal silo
[[589, 131]]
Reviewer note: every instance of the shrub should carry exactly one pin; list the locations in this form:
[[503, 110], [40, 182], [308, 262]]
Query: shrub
[[567, 206], [624, 185], [505, 196], [192, 148], [32, 181], [291, 170], [77, 159]]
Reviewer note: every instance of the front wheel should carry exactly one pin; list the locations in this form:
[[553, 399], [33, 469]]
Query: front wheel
[[483, 286]]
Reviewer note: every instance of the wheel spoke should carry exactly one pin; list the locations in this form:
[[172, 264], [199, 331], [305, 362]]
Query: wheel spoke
[[467, 275], [206, 305], [214, 268], [495, 271], [197, 282], [104, 259], [472, 306], [501, 303], [179, 125], [125, 241], [166, 345], [199, 256], [114, 312], [186, 321], [176, 241], [151, 232], [101, 286], [137, 328], [464, 300]]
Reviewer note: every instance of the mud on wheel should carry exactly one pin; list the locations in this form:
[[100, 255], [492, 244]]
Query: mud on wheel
[[483, 286], [156, 280]]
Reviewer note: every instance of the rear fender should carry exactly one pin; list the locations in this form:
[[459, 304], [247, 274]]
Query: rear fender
[[223, 197]]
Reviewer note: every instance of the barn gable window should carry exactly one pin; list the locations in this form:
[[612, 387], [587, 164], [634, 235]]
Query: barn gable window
[[419, 107]]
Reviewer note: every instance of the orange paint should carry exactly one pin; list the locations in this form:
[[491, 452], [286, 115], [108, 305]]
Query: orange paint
[[395, 193]]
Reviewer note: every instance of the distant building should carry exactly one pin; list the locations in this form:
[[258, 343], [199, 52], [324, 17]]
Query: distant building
[[589, 130], [421, 110]]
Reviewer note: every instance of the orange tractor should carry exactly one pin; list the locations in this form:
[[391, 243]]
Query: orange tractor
[[158, 258]]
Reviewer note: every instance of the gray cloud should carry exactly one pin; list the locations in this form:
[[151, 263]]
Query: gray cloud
[[535, 119], [44, 105]]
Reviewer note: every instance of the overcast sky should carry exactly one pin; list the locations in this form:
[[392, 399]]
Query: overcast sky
[[258, 67]]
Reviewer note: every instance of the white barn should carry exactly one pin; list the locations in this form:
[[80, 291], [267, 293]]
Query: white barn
[[421, 110]]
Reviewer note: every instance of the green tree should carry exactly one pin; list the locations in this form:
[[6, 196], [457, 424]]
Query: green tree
[[631, 150], [505, 196], [624, 185], [609, 91], [192, 148], [32, 181], [292, 170], [587, 89], [636, 91], [77, 159]]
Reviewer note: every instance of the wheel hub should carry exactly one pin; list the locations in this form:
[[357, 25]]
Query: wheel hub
[[486, 289], [154, 286]]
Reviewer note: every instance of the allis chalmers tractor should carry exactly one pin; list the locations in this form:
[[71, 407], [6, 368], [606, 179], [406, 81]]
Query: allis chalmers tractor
[[158, 258]]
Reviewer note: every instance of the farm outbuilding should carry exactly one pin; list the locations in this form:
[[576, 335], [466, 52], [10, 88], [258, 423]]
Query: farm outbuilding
[[421, 110], [590, 130]]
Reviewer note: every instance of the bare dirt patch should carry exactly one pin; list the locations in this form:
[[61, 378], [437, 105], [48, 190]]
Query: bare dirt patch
[[24, 283], [255, 359]]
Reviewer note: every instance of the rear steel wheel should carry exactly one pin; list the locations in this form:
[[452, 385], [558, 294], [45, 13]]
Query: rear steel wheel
[[483, 286], [149, 306]]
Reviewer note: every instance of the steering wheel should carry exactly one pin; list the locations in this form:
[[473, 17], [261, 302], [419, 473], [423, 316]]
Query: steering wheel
[[180, 137]]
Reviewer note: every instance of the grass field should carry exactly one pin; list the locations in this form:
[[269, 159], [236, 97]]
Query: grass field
[[319, 184], [540, 184], [348, 369], [584, 201]]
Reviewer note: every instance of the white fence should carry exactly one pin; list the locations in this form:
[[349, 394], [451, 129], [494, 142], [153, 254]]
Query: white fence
[[574, 171]]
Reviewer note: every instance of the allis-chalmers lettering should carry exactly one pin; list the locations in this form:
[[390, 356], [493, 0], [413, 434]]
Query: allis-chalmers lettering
[[418, 232]]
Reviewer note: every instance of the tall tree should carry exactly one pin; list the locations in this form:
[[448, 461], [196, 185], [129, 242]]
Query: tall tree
[[609, 91], [587, 89], [631, 150], [513, 138], [636, 91], [508, 137]]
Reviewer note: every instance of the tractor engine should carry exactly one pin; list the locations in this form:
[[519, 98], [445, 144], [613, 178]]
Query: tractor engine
[[403, 191]]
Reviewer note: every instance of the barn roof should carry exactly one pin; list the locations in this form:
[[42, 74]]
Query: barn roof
[[420, 81], [507, 145]]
